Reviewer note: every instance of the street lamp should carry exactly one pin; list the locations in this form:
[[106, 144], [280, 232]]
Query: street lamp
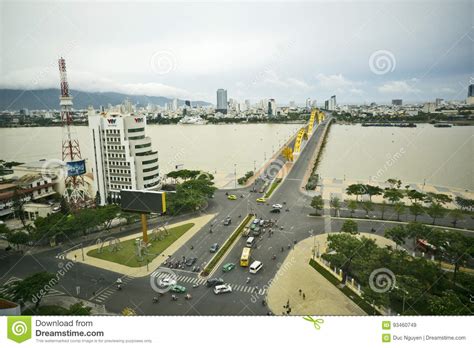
[[235, 175]]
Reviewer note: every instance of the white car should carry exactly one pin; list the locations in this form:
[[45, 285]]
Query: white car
[[222, 289], [277, 206], [168, 281]]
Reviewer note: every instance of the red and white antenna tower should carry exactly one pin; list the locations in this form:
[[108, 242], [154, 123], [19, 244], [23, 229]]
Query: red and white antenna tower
[[75, 191]]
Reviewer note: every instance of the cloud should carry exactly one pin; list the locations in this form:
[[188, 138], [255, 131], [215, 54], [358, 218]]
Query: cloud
[[339, 84], [48, 77], [401, 87]]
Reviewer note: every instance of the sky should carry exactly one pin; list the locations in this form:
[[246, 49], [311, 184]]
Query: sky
[[361, 52]]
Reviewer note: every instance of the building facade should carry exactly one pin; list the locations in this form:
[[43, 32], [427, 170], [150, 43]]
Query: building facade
[[221, 101], [123, 155]]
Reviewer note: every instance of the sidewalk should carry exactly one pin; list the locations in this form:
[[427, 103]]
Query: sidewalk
[[321, 297], [67, 301], [198, 222]]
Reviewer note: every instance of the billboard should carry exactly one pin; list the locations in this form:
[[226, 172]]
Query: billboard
[[142, 201], [76, 168]]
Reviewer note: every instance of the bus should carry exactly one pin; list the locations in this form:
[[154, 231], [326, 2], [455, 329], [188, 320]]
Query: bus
[[245, 258]]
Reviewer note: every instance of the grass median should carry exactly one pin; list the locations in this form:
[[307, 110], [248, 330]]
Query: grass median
[[127, 253], [273, 187], [215, 260]]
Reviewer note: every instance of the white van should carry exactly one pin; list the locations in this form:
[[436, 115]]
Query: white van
[[250, 242], [255, 267]]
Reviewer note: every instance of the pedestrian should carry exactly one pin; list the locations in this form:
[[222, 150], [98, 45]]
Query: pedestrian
[[304, 296], [300, 291]]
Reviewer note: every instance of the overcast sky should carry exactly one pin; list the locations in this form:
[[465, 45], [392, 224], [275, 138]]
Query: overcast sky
[[362, 52]]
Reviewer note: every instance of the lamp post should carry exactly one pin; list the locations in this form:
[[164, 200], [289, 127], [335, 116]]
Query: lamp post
[[235, 175]]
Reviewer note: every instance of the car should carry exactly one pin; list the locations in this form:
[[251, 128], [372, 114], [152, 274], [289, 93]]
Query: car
[[275, 211], [256, 231], [255, 267], [228, 267], [214, 248], [256, 221], [191, 261], [277, 206], [232, 197], [252, 226], [227, 221], [214, 281], [222, 289], [167, 281], [262, 223], [179, 289], [261, 200]]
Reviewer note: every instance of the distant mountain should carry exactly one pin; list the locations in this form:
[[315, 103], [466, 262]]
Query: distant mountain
[[15, 99]]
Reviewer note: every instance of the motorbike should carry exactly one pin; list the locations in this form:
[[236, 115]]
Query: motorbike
[[174, 298], [155, 300]]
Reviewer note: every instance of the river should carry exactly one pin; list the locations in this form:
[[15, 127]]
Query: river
[[214, 148], [438, 156]]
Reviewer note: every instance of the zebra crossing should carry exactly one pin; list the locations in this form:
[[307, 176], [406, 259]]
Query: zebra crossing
[[61, 256], [105, 293], [5, 292], [181, 278]]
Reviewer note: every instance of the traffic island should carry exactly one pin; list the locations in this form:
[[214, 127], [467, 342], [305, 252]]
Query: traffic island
[[226, 247], [120, 255]]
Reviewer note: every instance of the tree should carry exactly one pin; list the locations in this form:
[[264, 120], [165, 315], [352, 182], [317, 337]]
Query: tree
[[373, 191], [436, 210], [393, 195], [439, 198], [4, 230], [97, 199], [79, 309], [335, 203], [368, 206], [464, 203], [447, 304], [394, 183], [416, 209], [105, 216], [399, 209], [456, 215], [383, 207], [32, 288], [459, 249], [349, 226], [317, 203], [18, 201], [18, 238], [356, 190], [398, 234], [352, 206], [415, 196]]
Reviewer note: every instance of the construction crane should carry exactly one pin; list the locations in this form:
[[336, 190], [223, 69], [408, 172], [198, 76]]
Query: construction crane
[[75, 167]]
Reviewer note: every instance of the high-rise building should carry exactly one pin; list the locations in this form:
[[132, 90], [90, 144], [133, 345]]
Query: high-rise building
[[439, 101], [397, 102], [174, 106], [326, 104], [221, 100], [332, 103], [271, 107], [470, 92], [247, 104], [308, 104], [292, 104], [314, 104], [123, 155]]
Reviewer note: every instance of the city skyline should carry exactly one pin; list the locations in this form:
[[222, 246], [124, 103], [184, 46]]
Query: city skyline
[[378, 53]]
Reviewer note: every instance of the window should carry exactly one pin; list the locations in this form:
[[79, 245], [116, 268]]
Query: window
[[135, 130], [150, 169], [142, 146], [150, 161]]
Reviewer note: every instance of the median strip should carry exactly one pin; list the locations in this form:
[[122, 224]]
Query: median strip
[[228, 243]]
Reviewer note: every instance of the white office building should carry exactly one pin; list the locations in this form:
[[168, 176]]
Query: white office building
[[123, 155]]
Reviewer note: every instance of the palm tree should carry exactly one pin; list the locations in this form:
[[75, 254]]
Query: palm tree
[[367, 206], [383, 207], [336, 204]]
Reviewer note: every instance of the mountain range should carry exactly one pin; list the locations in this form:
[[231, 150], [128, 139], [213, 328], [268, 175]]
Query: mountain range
[[48, 99]]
